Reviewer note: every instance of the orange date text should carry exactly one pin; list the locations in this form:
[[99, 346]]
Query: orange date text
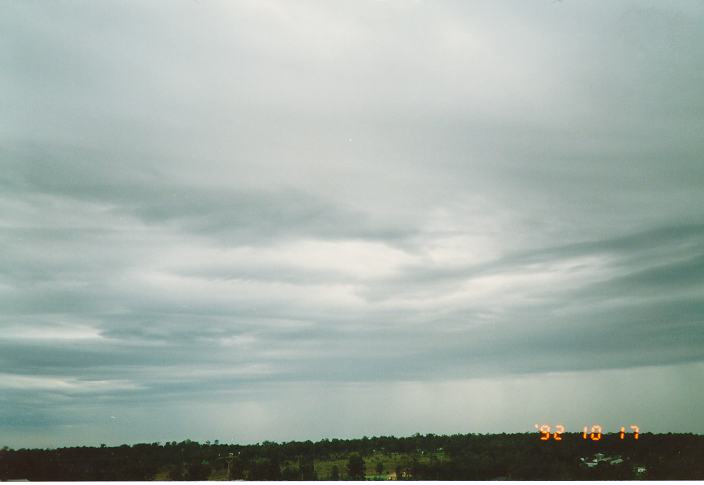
[[595, 432]]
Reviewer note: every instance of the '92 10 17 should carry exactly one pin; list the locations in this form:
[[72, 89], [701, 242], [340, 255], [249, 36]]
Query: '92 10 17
[[594, 432]]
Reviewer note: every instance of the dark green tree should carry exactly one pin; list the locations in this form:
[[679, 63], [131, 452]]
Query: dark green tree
[[307, 468], [197, 471], [355, 467]]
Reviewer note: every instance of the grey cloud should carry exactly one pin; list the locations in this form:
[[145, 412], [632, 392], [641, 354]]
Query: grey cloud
[[263, 204], [238, 214]]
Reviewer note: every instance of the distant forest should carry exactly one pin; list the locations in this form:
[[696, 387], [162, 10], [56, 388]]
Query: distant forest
[[420, 457]]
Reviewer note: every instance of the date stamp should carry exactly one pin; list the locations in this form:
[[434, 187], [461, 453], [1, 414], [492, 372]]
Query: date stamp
[[593, 433]]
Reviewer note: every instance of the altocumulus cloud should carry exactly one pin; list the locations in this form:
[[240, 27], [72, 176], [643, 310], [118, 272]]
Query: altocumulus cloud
[[267, 220]]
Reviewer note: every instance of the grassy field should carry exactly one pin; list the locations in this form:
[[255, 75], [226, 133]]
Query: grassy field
[[323, 468], [389, 461]]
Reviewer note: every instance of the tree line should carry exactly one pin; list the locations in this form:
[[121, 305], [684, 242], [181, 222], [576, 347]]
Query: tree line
[[520, 456]]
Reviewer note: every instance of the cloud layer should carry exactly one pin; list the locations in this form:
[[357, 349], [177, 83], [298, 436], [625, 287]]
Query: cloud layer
[[268, 203]]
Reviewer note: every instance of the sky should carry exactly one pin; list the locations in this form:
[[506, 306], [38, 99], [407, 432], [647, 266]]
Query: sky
[[273, 220]]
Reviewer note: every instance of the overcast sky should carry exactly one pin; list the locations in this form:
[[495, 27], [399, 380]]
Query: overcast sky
[[262, 220]]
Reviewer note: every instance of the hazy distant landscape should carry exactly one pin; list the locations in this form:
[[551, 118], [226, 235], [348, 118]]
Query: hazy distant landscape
[[418, 457]]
